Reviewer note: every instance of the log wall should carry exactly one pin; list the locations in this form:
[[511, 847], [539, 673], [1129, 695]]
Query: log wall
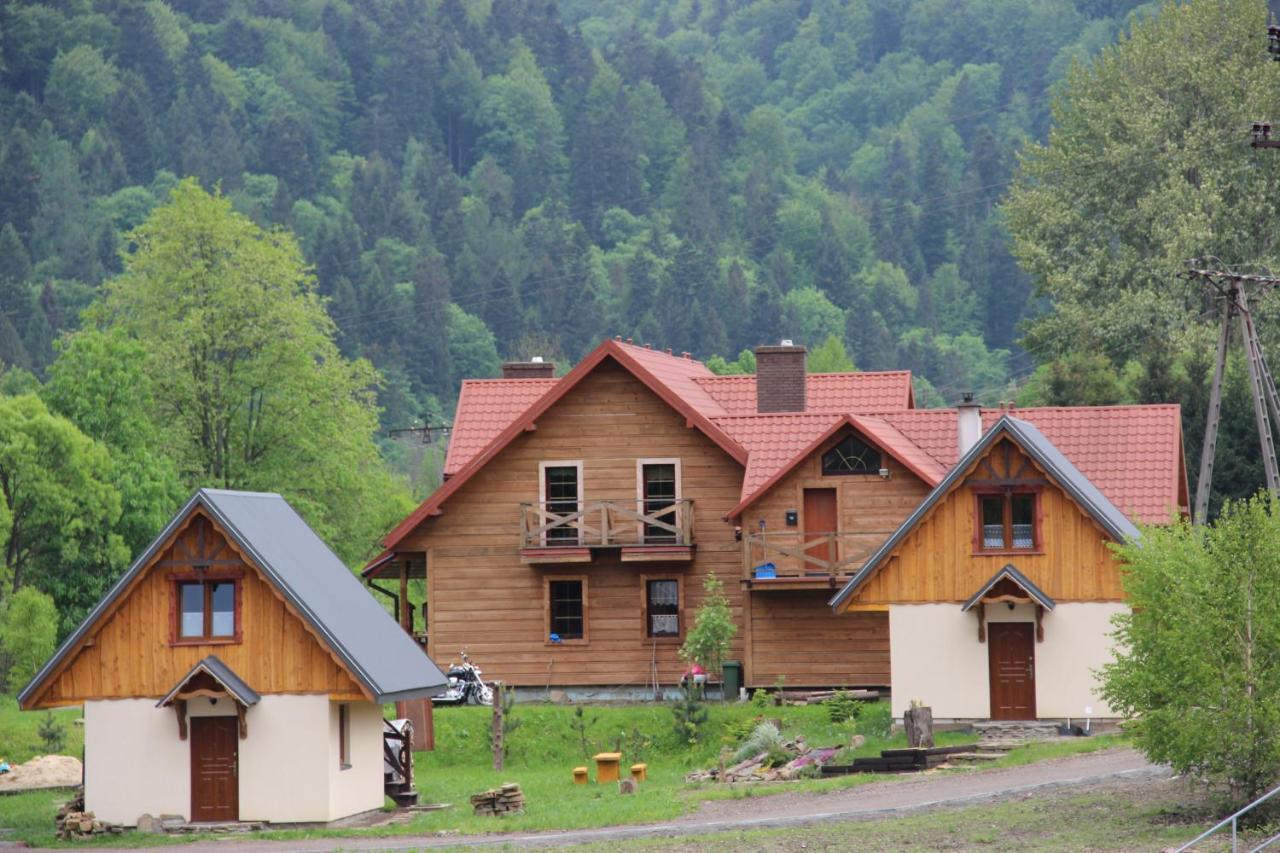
[[483, 599]]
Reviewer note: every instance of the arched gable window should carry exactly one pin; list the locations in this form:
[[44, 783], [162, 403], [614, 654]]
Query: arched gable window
[[851, 456]]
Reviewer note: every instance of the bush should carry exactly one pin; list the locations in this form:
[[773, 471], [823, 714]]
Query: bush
[[690, 715], [28, 635], [874, 720], [52, 734], [841, 707], [1197, 670], [765, 737]]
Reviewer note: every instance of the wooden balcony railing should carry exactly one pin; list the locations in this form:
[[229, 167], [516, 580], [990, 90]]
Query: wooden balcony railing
[[606, 524], [798, 557]]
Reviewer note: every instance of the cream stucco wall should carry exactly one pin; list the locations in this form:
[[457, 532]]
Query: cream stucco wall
[[136, 764], [358, 788], [283, 772], [935, 657]]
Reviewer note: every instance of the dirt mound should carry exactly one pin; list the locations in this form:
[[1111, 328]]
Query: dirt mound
[[43, 771]]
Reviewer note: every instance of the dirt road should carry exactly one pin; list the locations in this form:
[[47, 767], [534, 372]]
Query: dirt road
[[782, 810]]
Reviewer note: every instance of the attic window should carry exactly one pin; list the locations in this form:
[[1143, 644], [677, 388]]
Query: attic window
[[851, 456], [206, 610], [1007, 522]]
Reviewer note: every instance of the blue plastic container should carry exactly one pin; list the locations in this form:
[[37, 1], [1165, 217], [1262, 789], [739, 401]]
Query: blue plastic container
[[765, 571]]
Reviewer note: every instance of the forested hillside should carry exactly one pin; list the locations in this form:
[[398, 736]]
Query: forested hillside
[[477, 180]]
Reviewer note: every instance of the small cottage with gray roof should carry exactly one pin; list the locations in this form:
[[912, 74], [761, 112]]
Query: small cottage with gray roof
[[237, 671]]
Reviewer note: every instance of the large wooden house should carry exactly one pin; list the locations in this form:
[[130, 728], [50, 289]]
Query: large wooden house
[[237, 671], [580, 515]]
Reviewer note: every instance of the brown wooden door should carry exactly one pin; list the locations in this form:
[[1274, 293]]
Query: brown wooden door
[[1012, 651], [819, 520], [215, 788]]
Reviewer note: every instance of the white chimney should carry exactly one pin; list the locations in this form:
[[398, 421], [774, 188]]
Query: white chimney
[[968, 423]]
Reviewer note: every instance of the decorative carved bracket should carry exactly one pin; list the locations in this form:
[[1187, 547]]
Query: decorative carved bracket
[[180, 707], [981, 610]]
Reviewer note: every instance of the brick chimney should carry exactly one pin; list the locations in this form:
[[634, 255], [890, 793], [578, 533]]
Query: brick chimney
[[968, 423], [534, 368], [780, 378]]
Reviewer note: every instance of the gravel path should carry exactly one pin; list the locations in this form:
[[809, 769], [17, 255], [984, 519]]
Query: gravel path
[[876, 799]]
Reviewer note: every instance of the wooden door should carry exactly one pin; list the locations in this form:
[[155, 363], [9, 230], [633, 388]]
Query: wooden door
[[1012, 653], [215, 788], [819, 520]]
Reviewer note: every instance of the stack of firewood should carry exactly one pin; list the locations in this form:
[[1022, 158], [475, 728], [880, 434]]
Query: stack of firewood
[[505, 800]]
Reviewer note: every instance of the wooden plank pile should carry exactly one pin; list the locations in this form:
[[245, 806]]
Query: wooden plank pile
[[817, 697], [907, 760], [498, 801]]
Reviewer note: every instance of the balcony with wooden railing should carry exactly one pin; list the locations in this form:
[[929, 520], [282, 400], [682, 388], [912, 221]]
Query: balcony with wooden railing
[[794, 559], [635, 531]]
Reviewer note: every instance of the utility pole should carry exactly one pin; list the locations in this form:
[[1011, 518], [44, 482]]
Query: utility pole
[[1229, 286], [426, 431]]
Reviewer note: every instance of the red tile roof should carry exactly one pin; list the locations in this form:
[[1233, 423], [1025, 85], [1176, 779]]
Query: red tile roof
[[836, 393], [1133, 454], [485, 408]]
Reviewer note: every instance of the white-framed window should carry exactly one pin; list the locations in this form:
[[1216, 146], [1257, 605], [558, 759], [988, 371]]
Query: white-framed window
[[658, 496], [559, 498]]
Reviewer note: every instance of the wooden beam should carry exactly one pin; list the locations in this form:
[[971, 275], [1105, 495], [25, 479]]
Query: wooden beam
[[1039, 625], [981, 610], [404, 595], [244, 722], [180, 707]]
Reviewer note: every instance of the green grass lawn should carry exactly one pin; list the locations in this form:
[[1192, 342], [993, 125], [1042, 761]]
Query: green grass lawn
[[19, 732], [545, 746]]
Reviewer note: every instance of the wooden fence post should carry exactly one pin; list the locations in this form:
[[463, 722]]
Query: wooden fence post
[[496, 733]]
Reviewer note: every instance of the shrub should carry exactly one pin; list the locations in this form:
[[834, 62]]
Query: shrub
[[841, 707], [690, 715], [52, 735], [28, 635], [1197, 670], [765, 737], [874, 719], [760, 699]]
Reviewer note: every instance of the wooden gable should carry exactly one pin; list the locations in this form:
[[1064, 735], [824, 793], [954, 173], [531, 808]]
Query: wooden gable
[[132, 650], [939, 560]]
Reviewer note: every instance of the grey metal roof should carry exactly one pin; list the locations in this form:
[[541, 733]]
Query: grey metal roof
[[379, 654], [221, 673], [1011, 572], [1039, 448]]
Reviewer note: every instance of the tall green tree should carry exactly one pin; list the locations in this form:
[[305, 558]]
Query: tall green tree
[[99, 383], [250, 390], [1139, 175], [58, 508]]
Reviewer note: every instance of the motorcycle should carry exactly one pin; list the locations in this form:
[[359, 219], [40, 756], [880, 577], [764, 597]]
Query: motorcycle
[[466, 687]]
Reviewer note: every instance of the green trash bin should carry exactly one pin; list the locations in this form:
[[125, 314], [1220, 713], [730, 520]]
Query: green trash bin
[[732, 680]]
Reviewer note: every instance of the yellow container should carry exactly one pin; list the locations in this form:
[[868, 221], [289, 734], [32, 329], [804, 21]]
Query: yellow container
[[640, 772], [607, 766], [579, 775]]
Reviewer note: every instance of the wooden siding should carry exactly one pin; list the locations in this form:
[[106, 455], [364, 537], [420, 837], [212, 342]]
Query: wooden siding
[[937, 561], [129, 653], [794, 634], [483, 599], [870, 509]]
